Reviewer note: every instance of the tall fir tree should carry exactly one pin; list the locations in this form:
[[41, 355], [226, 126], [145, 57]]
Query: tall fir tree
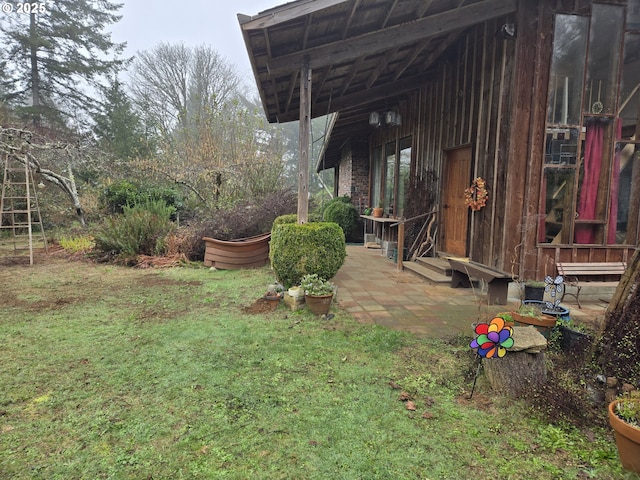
[[53, 53], [119, 128]]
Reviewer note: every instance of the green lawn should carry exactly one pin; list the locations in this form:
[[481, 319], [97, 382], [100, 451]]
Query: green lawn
[[109, 372]]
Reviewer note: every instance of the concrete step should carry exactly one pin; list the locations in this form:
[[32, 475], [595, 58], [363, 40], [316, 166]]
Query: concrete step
[[437, 264], [426, 273]]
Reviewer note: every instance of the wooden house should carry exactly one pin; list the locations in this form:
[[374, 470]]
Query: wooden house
[[538, 98]]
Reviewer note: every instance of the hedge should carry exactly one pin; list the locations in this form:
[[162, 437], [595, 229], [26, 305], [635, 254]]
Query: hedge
[[299, 249]]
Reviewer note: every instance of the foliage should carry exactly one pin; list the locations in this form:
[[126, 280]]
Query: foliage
[[288, 218], [297, 250], [81, 244], [312, 284], [50, 54], [118, 195], [111, 372], [141, 229], [628, 407], [118, 126], [342, 212]]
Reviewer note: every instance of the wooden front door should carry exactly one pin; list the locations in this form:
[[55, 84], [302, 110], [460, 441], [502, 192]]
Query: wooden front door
[[455, 214]]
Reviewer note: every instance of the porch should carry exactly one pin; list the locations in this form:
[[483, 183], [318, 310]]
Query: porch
[[372, 290]]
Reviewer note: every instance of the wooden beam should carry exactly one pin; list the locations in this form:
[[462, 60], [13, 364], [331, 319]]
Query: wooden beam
[[422, 9], [355, 6], [285, 13], [382, 64], [305, 129], [363, 97], [398, 35], [411, 56]]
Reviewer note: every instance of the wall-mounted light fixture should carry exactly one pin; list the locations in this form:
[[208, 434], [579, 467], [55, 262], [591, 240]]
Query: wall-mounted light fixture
[[389, 118]]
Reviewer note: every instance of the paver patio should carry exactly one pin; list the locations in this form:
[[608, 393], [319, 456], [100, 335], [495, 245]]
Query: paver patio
[[374, 291]]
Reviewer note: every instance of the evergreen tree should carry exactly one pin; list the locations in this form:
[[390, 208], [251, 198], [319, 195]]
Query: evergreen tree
[[117, 125], [51, 53]]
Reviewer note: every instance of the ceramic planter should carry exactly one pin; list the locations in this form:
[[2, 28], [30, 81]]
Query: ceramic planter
[[627, 440], [319, 304], [572, 339], [248, 252], [378, 212], [533, 293]]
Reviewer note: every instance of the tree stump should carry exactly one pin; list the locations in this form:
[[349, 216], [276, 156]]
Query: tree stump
[[523, 368]]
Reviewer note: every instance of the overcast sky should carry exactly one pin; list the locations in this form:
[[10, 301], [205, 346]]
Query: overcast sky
[[145, 23]]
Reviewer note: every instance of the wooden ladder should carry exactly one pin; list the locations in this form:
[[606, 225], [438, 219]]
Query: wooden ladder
[[19, 211]]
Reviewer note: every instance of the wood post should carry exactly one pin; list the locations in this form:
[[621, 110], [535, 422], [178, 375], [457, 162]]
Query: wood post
[[305, 129], [400, 245]]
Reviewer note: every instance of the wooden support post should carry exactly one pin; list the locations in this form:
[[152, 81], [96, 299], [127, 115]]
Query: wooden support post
[[400, 245], [305, 129]]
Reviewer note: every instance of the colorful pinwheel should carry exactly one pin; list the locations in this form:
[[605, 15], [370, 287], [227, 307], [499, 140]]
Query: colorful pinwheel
[[493, 338]]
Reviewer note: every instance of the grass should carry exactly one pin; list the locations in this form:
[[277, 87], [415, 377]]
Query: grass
[[109, 372]]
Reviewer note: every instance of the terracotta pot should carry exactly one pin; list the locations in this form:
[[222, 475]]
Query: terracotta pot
[[543, 323], [378, 212], [627, 440], [318, 304]]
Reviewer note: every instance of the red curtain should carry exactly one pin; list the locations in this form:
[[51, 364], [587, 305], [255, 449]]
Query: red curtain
[[589, 188]]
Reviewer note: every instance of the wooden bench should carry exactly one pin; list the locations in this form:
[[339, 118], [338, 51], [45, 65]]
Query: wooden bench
[[497, 282], [572, 271]]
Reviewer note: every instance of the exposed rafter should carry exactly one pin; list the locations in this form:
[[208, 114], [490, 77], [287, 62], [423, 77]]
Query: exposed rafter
[[398, 35]]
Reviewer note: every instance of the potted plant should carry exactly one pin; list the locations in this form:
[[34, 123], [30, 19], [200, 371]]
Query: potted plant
[[624, 417], [273, 295], [572, 335], [534, 290], [533, 314], [318, 293], [379, 210]]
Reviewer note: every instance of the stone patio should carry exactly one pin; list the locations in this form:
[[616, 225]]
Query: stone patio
[[372, 290]]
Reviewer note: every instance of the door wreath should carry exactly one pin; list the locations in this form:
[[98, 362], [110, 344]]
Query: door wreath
[[476, 195]]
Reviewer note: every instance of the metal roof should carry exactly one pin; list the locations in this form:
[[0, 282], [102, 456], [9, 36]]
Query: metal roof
[[363, 54]]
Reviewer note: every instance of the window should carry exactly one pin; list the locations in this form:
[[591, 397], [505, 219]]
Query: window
[[391, 167], [591, 150]]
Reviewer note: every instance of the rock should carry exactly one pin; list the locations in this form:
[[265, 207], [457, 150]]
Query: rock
[[612, 382], [528, 339], [627, 387]]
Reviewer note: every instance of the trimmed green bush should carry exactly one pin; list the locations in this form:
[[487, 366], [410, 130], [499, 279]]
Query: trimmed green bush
[[344, 214], [297, 250], [288, 218], [141, 229]]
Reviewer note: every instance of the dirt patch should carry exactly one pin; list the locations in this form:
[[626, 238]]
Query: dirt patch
[[259, 306]]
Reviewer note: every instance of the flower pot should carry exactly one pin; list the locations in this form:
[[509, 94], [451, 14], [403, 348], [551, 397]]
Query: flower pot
[[543, 323], [572, 339], [319, 304], [273, 300], [627, 440], [378, 212], [533, 293]]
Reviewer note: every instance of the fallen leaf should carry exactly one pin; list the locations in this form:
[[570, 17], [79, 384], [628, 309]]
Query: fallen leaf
[[410, 405], [394, 385], [404, 396], [427, 415]]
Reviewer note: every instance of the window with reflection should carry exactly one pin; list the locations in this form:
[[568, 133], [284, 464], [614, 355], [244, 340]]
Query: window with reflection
[[391, 170], [591, 144]]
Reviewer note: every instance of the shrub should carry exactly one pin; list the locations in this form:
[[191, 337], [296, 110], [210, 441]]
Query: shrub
[[344, 214], [288, 218], [141, 229], [124, 193], [297, 250]]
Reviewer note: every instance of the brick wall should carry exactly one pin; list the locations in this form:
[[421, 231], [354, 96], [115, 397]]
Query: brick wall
[[353, 172]]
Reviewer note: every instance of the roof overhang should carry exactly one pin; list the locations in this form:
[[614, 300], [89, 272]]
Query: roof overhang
[[363, 54]]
